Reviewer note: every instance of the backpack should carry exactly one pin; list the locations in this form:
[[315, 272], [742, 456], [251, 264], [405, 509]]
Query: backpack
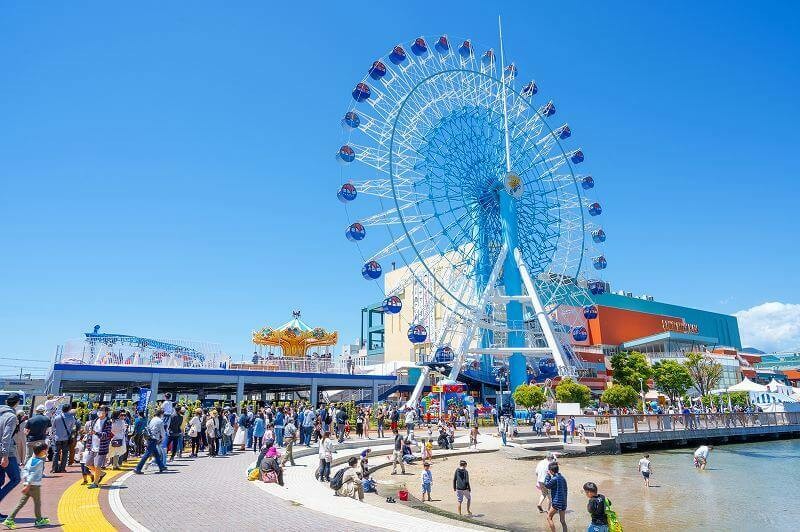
[[613, 523], [338, 479]]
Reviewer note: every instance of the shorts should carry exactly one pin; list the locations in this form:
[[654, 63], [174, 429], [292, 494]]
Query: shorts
[[645, 474], [96, 460], [85, 470], [463, 494], [426, 488]]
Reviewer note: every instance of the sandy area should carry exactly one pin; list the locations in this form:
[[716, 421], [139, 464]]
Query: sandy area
[[503, 489]]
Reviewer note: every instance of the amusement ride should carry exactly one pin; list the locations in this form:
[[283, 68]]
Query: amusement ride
[[457, 171]]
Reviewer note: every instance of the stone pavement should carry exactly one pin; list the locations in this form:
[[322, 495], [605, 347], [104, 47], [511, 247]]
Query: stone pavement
[[213, 494]]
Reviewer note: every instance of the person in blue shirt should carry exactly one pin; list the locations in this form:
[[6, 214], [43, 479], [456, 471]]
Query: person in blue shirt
[[32, 475], [557, 484], [280, 418], [427, 481], [259, 428]]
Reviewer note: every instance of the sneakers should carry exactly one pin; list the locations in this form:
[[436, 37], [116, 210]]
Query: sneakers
[[9, 523], [92, 486], [42, 521]]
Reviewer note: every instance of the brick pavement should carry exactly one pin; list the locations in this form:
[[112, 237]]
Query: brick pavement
[[212, 494]]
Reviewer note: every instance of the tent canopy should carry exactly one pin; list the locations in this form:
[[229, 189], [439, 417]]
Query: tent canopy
[[747, 386]]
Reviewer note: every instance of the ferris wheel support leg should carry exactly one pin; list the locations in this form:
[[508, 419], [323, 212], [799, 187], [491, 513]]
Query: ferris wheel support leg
[[458, 360], [411, 404], [564, 368]]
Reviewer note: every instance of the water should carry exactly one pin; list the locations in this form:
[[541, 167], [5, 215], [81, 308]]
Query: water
[[751, 486]]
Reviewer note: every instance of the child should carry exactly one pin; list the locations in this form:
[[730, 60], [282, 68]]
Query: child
[[32, 486], [82, 451], [462, 487], [428, 450], [473, 437], [347, 429], [427, 481]]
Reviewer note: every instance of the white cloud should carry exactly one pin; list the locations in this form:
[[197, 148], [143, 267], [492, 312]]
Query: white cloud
[[770, 326]]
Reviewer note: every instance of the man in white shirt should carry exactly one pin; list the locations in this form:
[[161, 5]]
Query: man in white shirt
[[645, 469], [541, 476], [701, 456], [410, 419]]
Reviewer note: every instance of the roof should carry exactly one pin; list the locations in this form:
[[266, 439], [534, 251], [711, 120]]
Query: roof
[[672, 336], [792, 374], [295, 323]]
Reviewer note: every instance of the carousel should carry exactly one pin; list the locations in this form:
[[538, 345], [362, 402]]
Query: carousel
[[293, 339]]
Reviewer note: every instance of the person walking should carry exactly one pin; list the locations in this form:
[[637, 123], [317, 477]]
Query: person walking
[[323, 473], [411, 418], [139, 428], [596, 508], [397, 453], [341, 421], [212, 432], [195, 428], [258, 430], [557, 485], [9, 464], [174, 433], [100, 433], [307, 426], [32, 475], [289, 437], [541, 476], [63, 433], [645, 468], [280, 426], [155, 436], [462, 486], [119, 433], [36, 429], [380, 417]]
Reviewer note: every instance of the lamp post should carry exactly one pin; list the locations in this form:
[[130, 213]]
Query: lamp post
[[501, 376], [641, 390]]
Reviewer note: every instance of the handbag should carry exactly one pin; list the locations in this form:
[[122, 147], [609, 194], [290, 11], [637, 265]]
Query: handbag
[[270, 476]]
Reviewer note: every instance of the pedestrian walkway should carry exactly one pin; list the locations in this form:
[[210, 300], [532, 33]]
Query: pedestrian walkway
[[212, 494], [81, 509]]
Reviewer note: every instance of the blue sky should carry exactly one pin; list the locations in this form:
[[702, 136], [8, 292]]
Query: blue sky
[[167, 169]]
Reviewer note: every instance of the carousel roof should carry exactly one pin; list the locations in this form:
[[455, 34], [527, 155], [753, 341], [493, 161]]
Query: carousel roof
[[295, 336]]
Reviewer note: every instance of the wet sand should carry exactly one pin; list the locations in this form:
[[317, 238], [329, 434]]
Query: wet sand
[[746, 487]]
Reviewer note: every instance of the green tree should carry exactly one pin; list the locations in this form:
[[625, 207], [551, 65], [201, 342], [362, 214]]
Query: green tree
[[737, 399], [569, 391], [672, 378], [629, 367], [529, 396], [619, 395], [705, 371]]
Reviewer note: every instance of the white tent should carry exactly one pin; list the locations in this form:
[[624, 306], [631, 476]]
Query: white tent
[[779, 387], [747, 386]]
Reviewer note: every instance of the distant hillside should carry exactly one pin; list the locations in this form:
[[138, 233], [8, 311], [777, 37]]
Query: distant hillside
[[752, 351]]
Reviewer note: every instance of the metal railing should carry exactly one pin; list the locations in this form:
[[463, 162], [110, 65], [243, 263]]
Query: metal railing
[[298, 365], [644, 423]]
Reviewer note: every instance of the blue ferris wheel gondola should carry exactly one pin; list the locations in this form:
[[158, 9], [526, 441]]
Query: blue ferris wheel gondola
[[590, 312], [443, 354], [488, 57], [580, 334], [530, 89], [442, 45], [398, 55], [371, 270], [549, 109], [511, 72], [587, 182], [392, 305], [377, 70], [347, 193], [419, 47], [355, 232], [577, 157], [595, 209], [351, 120], [598, 236], [465, 50], [417, 334], [346, 154], [596, 287], [362, 92], [564, 132], [599, 262]]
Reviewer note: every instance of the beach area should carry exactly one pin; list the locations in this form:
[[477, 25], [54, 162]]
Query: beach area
[[726, 496]]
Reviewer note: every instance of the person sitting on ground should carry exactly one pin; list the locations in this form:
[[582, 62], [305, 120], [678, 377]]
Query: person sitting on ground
[[270, 468], [351, 481], [408, 454], [443, 441]]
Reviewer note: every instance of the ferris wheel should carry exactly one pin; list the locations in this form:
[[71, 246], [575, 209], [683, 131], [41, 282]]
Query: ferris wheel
[[454, 169]]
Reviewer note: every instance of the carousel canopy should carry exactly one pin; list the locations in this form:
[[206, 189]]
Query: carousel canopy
[[295, 337]]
